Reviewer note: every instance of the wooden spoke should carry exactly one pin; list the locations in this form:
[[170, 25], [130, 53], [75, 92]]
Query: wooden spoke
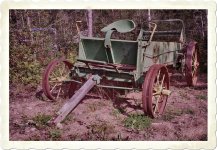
[[158, 78], [156, 107], [54, 74], [58, 94], [162, 81], [53, 87], [156, 93]]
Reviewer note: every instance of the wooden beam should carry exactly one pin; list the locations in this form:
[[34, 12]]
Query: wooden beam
[[76, 98]]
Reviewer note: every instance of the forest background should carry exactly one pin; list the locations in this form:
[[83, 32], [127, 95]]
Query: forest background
[[38, 36]]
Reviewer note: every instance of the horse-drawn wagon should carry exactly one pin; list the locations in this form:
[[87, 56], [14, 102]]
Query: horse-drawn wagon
[[140, 64]]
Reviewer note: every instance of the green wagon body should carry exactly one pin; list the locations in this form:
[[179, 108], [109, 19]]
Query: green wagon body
[[132, 58]]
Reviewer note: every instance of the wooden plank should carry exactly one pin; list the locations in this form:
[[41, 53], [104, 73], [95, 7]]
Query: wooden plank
[[75, 99]]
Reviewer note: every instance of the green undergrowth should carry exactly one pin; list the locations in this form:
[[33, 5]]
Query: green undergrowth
[[137, 121], [42, 119], [24, 68], [201, 97], [55, 134], [27, 66], [173, 113], [99, 131]]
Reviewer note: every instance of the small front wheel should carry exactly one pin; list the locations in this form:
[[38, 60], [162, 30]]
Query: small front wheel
[[56, 80], [155, 90]]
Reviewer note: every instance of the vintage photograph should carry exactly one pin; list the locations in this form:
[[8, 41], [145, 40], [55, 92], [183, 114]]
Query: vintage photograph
[[108, 75]]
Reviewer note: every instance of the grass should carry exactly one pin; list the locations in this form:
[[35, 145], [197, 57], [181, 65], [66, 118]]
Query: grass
[[92, 107], [99, 131], [68, 118], [96, 106], [188, 111], [177, 112], [24, 118], [74, 137], [172, 113], [119, 137], [168, 116], [184, 95], [201, 97], [137, 121], [42, 119], [121, 110], [34, 137], [55, 134], [115, 112]]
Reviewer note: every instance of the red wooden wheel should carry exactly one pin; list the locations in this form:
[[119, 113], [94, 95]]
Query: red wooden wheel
[[55, 81], [155, 90], [191, 63]]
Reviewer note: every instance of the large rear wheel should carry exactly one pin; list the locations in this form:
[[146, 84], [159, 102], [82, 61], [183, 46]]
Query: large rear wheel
[[191, 64], [155, 90]]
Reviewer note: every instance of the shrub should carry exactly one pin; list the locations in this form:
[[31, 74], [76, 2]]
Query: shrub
[[55, 134], [42, 119], [24, 68], [26, 61]]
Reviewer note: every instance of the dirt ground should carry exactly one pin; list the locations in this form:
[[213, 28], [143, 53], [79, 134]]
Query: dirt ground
[[185, 116]]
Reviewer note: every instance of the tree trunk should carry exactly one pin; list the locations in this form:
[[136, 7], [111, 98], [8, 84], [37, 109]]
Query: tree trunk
[[29, 26], [149, 15], [202, 28], [149, 18], [90, 23], [39, 19], [13, 17], [22, 20]]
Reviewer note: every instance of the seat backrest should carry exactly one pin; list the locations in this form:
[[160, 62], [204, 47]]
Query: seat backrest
[[121, 26]]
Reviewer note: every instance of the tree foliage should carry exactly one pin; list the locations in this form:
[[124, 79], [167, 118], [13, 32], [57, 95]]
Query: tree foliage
[[37, 36]]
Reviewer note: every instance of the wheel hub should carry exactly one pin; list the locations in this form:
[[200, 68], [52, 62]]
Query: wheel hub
[[161, 91], [61, 79]]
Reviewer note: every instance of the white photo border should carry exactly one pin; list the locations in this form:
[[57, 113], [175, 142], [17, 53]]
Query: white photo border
[[5, 6]]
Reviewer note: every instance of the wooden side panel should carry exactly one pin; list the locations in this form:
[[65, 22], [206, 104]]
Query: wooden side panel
[[161, 53]]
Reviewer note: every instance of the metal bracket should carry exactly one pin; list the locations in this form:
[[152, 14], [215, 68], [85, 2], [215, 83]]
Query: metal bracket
[[107, 43], [97, 78]]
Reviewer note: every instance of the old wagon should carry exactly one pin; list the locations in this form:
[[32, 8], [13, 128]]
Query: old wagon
[[140, 64]]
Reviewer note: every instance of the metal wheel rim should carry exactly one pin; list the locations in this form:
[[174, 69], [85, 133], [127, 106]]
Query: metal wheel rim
[[192, 64], [153, 100]]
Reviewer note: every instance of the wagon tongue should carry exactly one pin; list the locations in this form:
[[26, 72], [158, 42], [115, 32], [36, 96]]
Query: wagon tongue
[[76, 98]]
